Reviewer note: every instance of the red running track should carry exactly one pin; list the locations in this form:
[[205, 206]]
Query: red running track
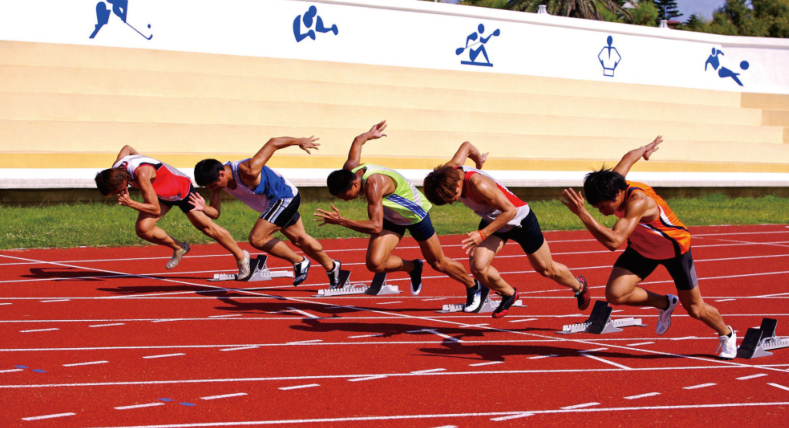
[[106, 337]]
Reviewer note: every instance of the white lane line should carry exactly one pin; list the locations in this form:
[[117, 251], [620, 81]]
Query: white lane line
[[106, 325], [592, 350], [4, 304], [11, 371], [357, 379], [85, 364], [428, 371], [305, 342], [580, 406], [607, 362], [389, 303], [35, 331], [543, 356], [225, 316], [527, 319], [648, 394], [58, 300], [306, 314], [164, 356], [516, 416], [725, 300], [38, 418], [434, 298], [752, 376], [365, 335], [617, 310], [240, 348], [140, 406], [647, 307], [432, 331], [640, 343], [216, 397], [288, 388], [779, 386], [703, 385], [489, 363]]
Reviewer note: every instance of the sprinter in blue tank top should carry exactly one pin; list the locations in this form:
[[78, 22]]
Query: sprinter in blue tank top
[[270, 194]]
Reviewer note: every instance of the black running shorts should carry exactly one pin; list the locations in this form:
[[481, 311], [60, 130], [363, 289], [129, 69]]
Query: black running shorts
[[528, 235], [421, 231], [183, 204], [681, 268], [283, 212]]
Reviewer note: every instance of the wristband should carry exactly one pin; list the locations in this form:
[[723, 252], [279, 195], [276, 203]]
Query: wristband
[[481, 234]]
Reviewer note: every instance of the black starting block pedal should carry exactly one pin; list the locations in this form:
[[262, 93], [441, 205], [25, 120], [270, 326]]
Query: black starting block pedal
[[758, 341], [260, 272], [379, 287], [600, 322]]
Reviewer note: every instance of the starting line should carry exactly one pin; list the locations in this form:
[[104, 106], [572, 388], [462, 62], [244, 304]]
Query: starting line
[[600, 322], [260, 272], [488, 306], [378, 287]]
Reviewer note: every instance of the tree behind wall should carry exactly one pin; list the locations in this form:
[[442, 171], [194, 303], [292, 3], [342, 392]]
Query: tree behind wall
[[586, 9], [767, 18], [667, 9]]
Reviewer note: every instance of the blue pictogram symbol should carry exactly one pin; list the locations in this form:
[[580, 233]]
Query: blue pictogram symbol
[[473, 54], [119, 8], [308, 18], [609, 58], [724, 72]]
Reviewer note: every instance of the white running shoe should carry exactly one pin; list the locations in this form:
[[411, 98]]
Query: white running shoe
[[243, 267], [177, 255], [664, 316], [300, 270], [727, 346]]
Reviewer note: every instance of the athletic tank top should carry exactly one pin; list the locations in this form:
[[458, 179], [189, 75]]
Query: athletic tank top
[[473, 200], [272, 187], [170, 184], [406, 205], [664, 238]]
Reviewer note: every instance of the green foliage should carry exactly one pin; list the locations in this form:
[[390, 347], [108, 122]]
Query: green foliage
[[586, 9], [493, 4], [767, 18], [667, 9], [97, 224]]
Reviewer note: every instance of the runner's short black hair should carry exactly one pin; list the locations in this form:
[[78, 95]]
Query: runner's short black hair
[[603, 185], [207, 171], [340, 181]]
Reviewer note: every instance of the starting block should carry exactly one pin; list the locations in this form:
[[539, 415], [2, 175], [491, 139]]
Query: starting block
[[260, 272], [758, 341], [487, 306], [600, 322], [379, 287]]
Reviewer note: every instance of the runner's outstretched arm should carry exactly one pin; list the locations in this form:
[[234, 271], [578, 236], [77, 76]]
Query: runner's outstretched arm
[[624, 165], [355, 154], [250, 170], [466, 151], [374, 192], [125, 151]]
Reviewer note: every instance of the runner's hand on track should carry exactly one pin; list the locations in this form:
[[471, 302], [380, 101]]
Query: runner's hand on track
[[308, 143], [573, 201], [327, 217], [197, 200]]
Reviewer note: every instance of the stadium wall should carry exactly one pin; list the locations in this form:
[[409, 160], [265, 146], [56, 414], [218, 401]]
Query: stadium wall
[[549, 97]]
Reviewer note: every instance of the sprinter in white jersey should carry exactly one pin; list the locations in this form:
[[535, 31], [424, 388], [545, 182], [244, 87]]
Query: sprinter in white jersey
[[270, 194], [504, 217], [162, 187]]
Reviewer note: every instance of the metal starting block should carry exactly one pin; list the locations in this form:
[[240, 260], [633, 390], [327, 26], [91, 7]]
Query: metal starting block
[[260, 272], [379, 287], [487, 306], [758, 341], [600, 322]]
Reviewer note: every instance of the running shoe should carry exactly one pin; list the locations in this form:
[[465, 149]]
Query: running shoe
[[664, 315], [416, 278], [506, 302], [243, 267], [583, 296], [727, 346], [301, 269], [334, 275], [177, 255], [475, 297]]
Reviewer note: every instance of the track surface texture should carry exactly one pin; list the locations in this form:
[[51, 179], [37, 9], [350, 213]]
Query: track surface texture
[[96, 337]]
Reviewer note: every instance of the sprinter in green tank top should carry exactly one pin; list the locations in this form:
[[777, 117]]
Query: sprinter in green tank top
[[394, 205]]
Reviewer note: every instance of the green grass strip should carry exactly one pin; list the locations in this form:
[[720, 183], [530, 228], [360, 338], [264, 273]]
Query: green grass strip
[[96, 224]]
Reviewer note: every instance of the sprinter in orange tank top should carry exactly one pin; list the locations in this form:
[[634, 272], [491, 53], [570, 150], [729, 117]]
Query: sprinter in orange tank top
[[654, 236]]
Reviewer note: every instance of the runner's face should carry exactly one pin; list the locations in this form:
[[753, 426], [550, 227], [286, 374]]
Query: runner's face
[[351, 193], [610, 207], [458, 193], [220, 183]]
